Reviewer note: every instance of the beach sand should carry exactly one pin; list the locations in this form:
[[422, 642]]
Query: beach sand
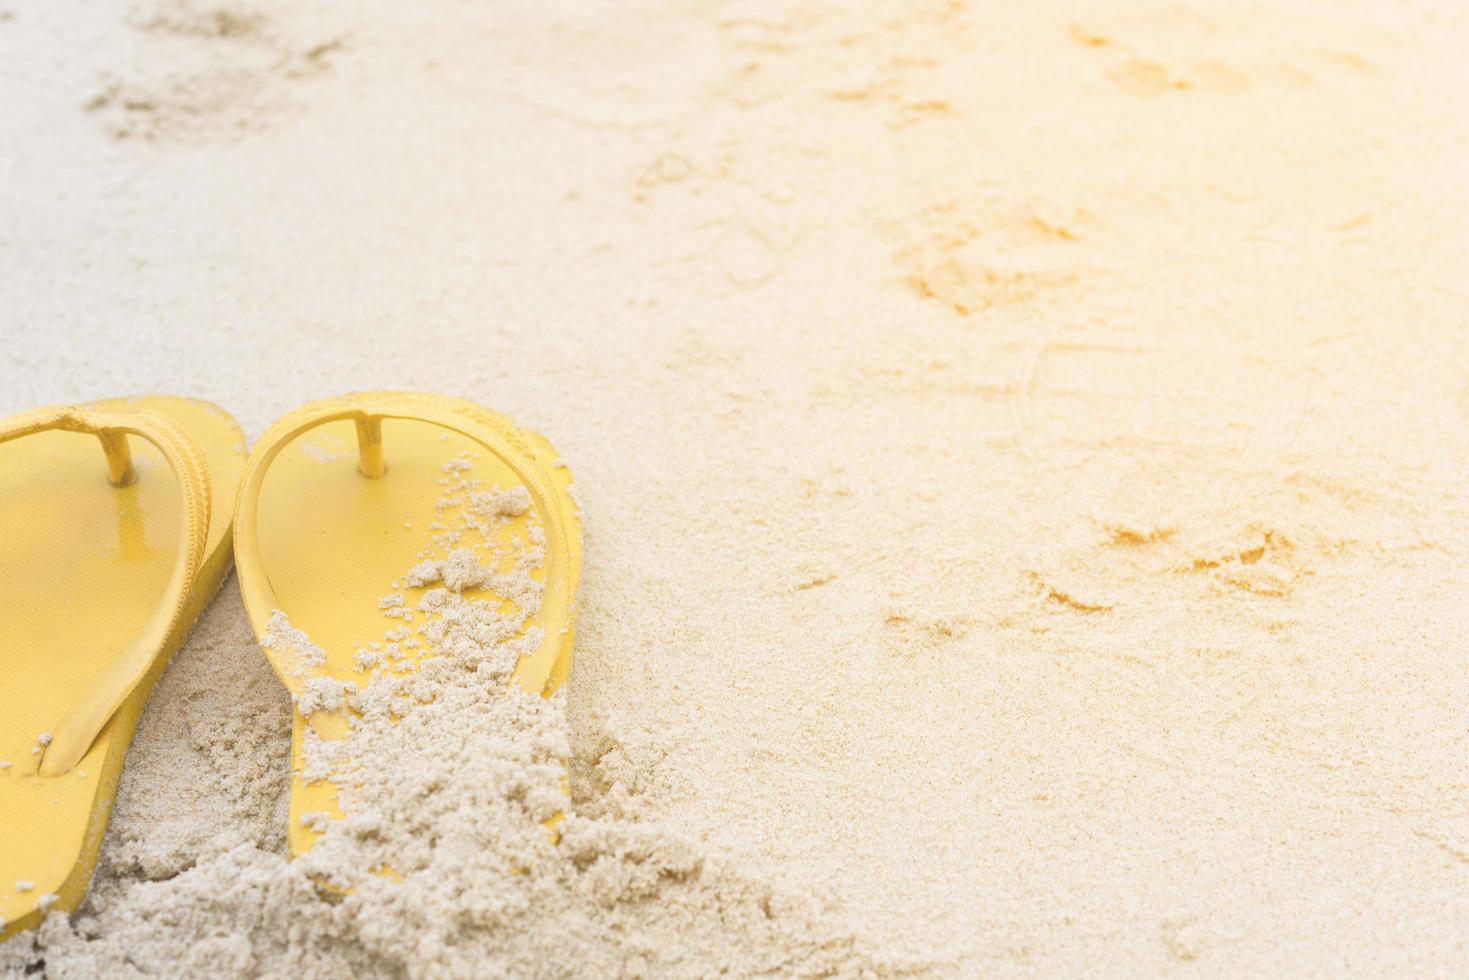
[[1021, 447]]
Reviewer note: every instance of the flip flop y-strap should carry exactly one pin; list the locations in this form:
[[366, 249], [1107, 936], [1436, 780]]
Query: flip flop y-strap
[[74, 734], [538, 673]]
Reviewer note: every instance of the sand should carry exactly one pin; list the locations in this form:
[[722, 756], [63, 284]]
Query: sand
[[1021, 447]]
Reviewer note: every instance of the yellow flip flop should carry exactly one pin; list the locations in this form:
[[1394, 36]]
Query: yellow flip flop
[[106, 560], [341, 498]]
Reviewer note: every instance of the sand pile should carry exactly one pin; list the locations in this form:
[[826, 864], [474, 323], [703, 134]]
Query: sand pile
[[459, 852], [452, 794], [1021, 448]]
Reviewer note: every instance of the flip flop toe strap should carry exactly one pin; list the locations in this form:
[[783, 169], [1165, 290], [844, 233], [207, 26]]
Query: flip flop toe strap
[[75, 733], [536, 672]]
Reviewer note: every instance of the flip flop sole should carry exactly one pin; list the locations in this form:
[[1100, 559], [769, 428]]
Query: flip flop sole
[[330, 548], [82, 567]]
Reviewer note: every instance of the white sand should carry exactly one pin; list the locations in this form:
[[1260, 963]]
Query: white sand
[[1022, 451]]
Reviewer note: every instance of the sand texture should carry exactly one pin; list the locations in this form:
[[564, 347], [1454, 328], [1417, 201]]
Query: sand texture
[[1022, 451]]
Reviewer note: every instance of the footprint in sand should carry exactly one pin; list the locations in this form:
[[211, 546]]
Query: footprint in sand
[[209, 71], [1151, 51], [971, 255]]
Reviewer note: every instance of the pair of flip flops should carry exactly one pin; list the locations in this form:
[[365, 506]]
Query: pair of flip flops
[[107, 559]]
